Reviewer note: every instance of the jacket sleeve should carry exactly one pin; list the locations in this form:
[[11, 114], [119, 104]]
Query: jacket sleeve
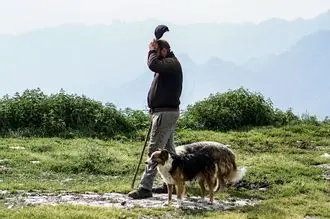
[[155, 64]]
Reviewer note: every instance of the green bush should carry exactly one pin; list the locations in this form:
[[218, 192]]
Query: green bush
[[233, 110], [36, 114], [137, 118]]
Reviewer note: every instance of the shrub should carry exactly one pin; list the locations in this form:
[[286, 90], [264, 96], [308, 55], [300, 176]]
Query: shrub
[[137, 118], [232, 110], [64, 115], [284, 118]]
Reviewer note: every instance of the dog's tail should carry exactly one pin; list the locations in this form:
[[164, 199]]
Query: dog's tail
[[228, 172], [236, 175]]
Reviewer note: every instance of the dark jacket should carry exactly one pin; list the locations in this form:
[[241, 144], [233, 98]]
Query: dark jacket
[[166, 87]]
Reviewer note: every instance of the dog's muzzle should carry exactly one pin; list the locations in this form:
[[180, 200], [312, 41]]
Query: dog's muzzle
[[151, 164]]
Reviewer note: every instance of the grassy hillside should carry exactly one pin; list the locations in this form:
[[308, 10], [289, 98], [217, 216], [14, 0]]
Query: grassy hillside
[[280, 160]]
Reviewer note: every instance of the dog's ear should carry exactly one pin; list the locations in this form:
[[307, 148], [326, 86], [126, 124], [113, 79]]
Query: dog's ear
[[151, 151], [164, 153]]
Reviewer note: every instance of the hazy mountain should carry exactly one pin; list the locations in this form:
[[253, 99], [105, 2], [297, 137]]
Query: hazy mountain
[[241, 42], [76, 58], [299, 77], [108, 63]]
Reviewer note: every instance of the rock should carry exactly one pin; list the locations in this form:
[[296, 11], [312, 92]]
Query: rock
[[325, 165], [3, 160], [17, 148], [326, 155], [326, 174], [3, 169], [67, 180], [310, 217], [3, 192]]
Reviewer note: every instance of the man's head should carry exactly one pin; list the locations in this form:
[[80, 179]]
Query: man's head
[[163, 48]]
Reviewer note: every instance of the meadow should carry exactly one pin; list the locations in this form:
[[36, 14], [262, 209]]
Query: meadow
[[282, 173]]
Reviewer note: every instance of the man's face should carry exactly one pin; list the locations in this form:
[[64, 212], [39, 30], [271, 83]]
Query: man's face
[[162, 53]]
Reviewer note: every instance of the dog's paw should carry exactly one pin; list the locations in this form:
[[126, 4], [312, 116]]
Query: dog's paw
[[167, 203], [202, 200], [179, 204], [210, 203]]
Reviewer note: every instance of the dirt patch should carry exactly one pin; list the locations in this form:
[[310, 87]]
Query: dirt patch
[[326, 174], [262, 185], [117, 200]]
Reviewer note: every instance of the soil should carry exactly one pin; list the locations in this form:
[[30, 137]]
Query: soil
[[116, 200]]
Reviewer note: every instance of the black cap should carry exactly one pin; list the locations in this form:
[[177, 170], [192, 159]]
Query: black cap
[[160, 30]]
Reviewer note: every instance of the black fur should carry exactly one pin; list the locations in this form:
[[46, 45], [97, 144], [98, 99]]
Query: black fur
[[192, 164]]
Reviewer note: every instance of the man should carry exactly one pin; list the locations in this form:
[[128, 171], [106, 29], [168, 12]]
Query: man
[[163, 101]]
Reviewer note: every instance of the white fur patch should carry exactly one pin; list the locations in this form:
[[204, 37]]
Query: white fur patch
[[164, 171], [241, 171]]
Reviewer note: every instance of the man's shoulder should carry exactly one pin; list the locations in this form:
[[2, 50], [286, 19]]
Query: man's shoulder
[[172, 60]]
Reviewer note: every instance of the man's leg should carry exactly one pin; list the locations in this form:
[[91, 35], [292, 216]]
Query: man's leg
[[163, 125], [170, 146]]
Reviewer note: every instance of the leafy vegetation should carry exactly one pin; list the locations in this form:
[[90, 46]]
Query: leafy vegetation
[[34, 113], [234, 110]]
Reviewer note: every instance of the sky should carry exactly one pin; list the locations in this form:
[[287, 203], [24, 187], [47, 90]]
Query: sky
[[17, 16]]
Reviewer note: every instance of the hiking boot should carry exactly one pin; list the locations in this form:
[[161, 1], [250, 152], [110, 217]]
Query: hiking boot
[[162, 189], [140, 193]]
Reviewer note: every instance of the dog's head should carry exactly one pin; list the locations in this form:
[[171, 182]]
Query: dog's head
[[160, 156]]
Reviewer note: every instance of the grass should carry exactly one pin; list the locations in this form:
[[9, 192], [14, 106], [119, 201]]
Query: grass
[[281, 157]]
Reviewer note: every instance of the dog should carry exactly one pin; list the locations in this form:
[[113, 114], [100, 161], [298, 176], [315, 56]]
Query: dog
[[228, 173], [210, 163]]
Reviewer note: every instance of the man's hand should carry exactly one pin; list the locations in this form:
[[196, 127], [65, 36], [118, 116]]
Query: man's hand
[[153, 45]]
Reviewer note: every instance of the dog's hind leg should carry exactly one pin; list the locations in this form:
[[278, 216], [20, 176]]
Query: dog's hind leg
[[211, 182], [221, 184], [180, 192], [201, 182]]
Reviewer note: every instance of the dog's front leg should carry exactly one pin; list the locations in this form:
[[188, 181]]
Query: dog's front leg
[[169, 194], [169, 191], [180, 193]]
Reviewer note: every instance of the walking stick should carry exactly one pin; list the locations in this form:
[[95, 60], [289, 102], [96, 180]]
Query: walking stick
[[145, 144]]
